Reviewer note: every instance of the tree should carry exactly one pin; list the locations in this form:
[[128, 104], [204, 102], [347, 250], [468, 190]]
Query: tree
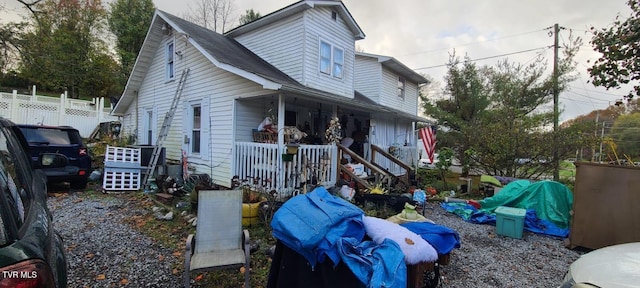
[[129, 21], [212, 14], [64, 45], [619, 45], [626, 134], [248, 16], [461, 112], [10, 42], [500, 114]]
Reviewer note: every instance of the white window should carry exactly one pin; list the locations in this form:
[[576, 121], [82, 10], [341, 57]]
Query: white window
[[338, 61], [325, 57], [149, 125], [170, 65], [196, 128], [401, 87], [331, 60]]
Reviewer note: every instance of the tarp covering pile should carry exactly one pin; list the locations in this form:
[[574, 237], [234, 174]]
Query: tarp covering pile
[[548, 205]]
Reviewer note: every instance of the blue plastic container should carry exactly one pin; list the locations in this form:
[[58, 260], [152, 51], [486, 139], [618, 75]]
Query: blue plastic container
[[510, 221]]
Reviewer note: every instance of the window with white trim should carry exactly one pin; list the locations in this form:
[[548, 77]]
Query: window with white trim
[[331, 60], [338, 61], [169, 68], [401, 86], [149, 126], [196, 126], [325, 57]]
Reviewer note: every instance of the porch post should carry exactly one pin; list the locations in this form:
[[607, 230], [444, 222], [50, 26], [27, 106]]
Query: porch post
[[14, 107], [63, 109], [280, 166]]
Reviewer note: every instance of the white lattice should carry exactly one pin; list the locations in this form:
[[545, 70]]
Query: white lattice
[[122, 154], [121, 180], [38, 106], [79, 112]]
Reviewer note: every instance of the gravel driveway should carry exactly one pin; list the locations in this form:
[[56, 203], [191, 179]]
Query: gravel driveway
[[102, 251]]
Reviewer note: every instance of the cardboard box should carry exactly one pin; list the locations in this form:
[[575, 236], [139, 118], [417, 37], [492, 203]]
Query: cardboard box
[[510, 221]]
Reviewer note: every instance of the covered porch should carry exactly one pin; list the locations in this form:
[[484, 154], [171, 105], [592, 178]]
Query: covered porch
[[263, 159]]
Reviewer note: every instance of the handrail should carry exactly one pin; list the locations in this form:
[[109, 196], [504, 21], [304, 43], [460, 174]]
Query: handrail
[[363, 182], [409, 169], [361, 160], [380, 174]]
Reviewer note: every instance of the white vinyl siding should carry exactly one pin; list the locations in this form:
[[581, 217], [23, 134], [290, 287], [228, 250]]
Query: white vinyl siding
[[390, 96], [367, 75], [292, 46], [204, 82], [320, 27], [279, 44]]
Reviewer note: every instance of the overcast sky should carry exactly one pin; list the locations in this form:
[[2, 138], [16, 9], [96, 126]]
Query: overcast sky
[[422, 34]]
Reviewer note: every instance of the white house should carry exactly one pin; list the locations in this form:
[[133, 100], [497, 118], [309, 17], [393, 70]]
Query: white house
[[297, 65]]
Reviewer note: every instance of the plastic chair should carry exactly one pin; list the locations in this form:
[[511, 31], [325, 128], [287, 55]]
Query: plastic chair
[[219, 242]]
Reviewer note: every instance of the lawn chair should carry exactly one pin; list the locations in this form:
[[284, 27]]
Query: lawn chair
[[219, 242]]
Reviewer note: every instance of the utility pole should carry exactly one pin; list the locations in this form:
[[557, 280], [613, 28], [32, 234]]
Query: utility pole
[[556, 161]]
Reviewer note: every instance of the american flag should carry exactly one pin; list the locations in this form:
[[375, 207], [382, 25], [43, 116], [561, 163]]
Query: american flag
[[428, 135]]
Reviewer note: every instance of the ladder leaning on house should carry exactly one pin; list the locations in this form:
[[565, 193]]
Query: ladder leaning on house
[[164, 130]]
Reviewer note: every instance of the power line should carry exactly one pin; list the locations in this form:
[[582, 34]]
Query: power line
[[472, 43], [586, 96], [490, 57], [574, 100], [596, 91]]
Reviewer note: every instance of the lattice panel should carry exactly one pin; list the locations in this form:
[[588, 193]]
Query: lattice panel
[[120, 180], [38, 106], [79, 112]]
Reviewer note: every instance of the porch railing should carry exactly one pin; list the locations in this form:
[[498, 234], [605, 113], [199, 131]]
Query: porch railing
[[288, 175], [408, 155]]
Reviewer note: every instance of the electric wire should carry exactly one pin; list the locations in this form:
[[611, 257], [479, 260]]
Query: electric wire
[[489, 57], [472, 43]]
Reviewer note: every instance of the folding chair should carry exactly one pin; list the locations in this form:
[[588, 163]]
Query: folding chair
[[219, 242]]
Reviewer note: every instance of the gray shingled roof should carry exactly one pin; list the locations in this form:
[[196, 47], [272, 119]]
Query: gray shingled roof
[[229, 51]]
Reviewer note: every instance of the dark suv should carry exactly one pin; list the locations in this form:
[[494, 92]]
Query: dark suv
[[64, 140], [31, 252]]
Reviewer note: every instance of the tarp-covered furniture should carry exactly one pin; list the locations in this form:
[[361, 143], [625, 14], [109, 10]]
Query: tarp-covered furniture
[[606, 208], [325, 241], [219, 242]]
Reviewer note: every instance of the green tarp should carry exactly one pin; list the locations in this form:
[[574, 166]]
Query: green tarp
[[551, 200], [491, 180]]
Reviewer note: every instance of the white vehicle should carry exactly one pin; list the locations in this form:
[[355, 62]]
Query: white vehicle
[[425, 163], [613, 266]]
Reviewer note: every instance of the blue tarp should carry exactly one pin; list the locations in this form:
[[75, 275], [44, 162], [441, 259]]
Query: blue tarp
[[531, 222]]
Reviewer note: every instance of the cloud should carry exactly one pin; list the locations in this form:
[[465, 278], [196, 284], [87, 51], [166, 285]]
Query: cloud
[[425, 33]]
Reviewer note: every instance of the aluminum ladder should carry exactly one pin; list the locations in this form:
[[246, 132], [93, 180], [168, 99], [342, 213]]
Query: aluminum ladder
[[164, 130]]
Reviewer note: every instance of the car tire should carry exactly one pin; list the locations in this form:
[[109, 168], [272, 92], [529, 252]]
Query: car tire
[[80, 184]]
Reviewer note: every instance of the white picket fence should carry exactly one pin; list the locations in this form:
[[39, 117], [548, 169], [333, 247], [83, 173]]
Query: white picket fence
[[35, 109]]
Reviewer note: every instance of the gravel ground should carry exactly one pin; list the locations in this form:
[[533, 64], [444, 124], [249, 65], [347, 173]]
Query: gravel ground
[[489, 260], [102, 251]]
